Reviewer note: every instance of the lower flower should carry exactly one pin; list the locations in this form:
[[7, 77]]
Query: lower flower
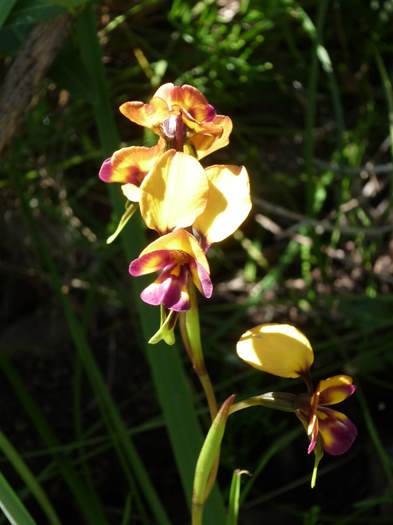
[[283, 350], [179, 259], [334, 429]]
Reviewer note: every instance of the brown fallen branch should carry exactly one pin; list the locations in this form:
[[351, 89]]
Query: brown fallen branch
[[26, 72]]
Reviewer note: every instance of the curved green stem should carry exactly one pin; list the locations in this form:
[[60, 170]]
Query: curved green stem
[[191, 335]]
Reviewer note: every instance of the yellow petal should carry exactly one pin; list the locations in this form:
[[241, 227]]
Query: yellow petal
[[131, 191], [205, 143], [149, 115], [174, 193], [279, 349], [335, 389], [228, 202]]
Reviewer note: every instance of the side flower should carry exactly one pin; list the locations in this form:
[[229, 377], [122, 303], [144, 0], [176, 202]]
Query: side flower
[[183, 117], [284, 351]]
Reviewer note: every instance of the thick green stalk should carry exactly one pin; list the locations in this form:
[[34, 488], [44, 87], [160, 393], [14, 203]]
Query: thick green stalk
[[191, 334]]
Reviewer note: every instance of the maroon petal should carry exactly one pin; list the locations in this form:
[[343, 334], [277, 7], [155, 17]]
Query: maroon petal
[[201, 279], [168, 290], [336, 430]]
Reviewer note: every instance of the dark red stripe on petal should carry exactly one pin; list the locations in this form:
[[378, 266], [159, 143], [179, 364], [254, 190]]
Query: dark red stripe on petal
[[151, 262]]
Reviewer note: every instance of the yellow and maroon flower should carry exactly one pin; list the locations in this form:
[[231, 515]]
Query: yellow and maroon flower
[[177, 194], [181, 115], [178, 257], [335, 429], [283, 350], [129, 166]]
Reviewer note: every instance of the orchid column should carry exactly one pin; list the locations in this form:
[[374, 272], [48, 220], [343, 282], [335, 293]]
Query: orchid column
[[190, 207]]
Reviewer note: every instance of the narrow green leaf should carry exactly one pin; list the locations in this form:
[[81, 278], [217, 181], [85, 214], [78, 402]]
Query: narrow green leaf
[[387, 84], [234, 497], [33, 11], [28, 477], [12, 506], [5, 9]]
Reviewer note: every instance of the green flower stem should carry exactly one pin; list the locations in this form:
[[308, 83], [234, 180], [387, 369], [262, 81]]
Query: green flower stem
[[191, 335], [207, 386], [278, 400], [197, 512]]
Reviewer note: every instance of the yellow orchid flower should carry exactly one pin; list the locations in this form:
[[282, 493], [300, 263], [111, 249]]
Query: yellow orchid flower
[[182, 116], [283, 350]]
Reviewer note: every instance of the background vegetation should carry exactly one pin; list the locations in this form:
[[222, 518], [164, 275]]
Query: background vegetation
[[91, 417]]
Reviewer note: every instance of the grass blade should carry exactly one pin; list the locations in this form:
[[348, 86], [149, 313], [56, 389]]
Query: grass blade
[[28, 477], [234, 497], [126, 451], [11, 505], [87, 500], [5, 9]]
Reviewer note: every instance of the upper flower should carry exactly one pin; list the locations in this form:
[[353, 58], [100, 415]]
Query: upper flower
[[284, 351], [183, 117]]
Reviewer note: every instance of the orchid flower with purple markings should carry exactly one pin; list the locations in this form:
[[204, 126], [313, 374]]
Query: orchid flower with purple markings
[[183, 117], [282, 350], [179, 259], [179, 194], [335, 429]]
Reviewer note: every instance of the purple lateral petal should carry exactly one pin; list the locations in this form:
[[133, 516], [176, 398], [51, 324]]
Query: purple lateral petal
[[337, 431], [155, 293], [105, 173], [168, 290], [176, 297], [151, 262]]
